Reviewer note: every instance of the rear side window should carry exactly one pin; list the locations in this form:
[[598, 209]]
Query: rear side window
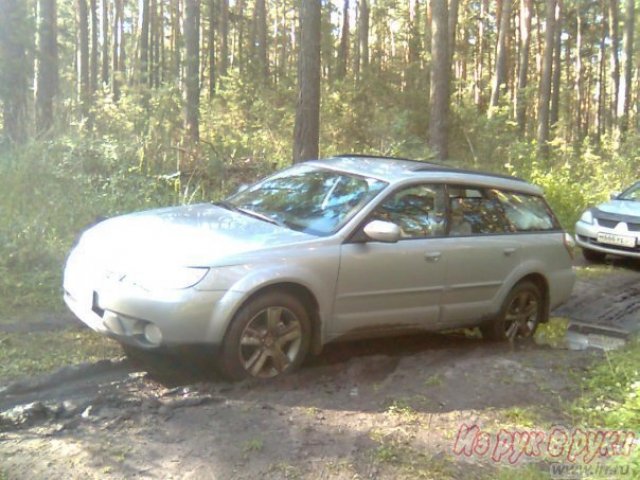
[[476, 211], [527, 213]]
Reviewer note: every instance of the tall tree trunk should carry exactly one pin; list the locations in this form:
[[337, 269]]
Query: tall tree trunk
[[363, 34], [614, 69], [211, 47], [261, 39], [176, 40], [580, 90], [624, 97], [479, 98], [413, 46], [192, 64], [500, 74], [306, 135], [523, 68], [554, 113], [95, 47], [238, 58], [440, 72], [84, 85], [602, 84], [144, 42], [343, 51], [452, 26], [224, 37], [14, 74], [545, 81], [115, 52], [105, 42], [47, 71]]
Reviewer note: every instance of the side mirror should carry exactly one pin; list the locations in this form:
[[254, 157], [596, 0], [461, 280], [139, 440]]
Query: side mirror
[[614, 195], [381, 231]]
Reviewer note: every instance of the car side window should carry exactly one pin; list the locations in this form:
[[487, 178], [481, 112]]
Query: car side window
[[476, 211], [419, 211], [527, 213]]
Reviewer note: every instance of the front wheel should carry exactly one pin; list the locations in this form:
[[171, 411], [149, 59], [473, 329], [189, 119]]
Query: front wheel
[[269, 336], [521, 313]]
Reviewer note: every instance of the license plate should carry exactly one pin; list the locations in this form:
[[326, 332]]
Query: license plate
[[621, 240]]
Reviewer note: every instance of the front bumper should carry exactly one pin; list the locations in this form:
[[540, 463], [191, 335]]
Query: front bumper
[[587, 237]]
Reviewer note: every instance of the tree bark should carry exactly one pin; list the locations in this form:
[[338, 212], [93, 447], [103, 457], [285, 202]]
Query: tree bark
[[545, 81], [614, 69], [452, 26], [343, 51], [95, 47], [554, 113], [261, 57], [307, 123], [224, 37], [500, 74], [105, 42], [624, 97], [211, 48], [144, 43], [363, 34], [440, 72], [14, 73], [192, 64], [47, 71], [523, 69], [84, 86], [118, 55]]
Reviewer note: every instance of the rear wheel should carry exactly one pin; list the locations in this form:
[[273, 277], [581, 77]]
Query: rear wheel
[[593, 255], [269, 336], [521, 313]]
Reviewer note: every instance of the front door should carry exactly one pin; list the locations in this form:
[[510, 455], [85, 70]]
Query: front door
[[389, 286]]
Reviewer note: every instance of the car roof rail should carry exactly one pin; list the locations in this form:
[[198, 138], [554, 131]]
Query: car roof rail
[[425, 166]]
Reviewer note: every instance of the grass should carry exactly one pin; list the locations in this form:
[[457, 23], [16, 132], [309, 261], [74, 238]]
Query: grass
[[26, 354]]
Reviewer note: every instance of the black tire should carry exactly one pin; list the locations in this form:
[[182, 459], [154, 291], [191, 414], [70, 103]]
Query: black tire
[[593, 255], [269, 336], [521, 313]]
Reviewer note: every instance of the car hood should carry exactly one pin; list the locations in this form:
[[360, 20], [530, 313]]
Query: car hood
[[195, 235], [621, 207]]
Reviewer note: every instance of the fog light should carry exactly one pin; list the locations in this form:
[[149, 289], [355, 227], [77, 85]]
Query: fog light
[[152, 334]]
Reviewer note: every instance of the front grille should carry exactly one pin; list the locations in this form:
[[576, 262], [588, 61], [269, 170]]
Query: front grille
[[607, 223]]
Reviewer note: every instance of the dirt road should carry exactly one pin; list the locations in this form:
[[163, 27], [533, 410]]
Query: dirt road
[[376, 409]]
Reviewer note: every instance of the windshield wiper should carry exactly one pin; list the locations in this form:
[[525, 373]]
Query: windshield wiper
[[250, 213]]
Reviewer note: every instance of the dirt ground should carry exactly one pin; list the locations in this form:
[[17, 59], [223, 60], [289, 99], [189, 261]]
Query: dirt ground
[[367, 410]]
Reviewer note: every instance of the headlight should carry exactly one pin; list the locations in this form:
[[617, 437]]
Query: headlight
[[170, 278], [587, 217]]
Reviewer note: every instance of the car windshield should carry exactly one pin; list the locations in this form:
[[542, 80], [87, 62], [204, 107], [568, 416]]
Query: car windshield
[[307, 198], [632, 193]]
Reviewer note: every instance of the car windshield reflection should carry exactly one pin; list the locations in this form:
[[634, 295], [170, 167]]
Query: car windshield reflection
[[307, 199]]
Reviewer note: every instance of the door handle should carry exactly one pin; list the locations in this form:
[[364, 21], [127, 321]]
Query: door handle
[[509, 251], [432, 256]]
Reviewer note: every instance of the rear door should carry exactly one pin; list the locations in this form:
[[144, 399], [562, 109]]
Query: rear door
[[481, 254]]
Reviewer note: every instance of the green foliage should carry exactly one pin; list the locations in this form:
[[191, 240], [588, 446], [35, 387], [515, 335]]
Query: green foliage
[[611, 397]]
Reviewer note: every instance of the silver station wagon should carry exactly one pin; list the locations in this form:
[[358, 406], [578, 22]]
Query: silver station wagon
[[612, 227], [348, 247]]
